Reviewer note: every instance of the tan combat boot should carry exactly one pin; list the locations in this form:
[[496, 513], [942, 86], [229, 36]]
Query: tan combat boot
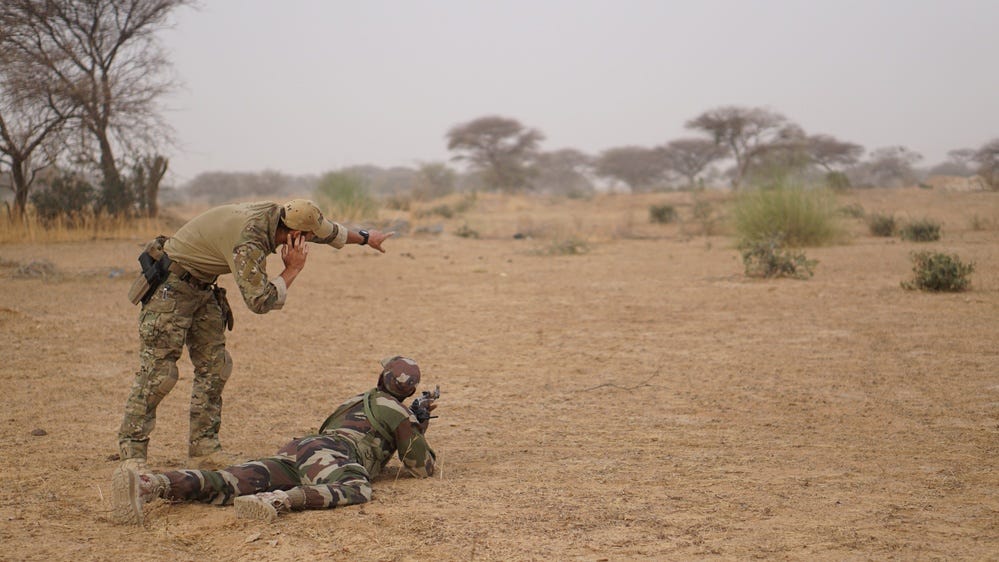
[[130, 490], [264, 506]]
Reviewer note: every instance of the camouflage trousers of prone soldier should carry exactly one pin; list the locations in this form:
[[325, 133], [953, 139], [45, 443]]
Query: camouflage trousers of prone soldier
[[325, 468], [178, 314]]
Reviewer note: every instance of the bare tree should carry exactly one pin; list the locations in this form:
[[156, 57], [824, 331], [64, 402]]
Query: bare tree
[[28, 125], [502, 149], [102, 58], [147, 175], [689, 157], [988, 162], [564, 172], [638, 167], [25, 128], [747, 133]]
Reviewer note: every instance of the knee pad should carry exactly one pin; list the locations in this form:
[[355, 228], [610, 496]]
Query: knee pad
[[226, 366], [165, 385]]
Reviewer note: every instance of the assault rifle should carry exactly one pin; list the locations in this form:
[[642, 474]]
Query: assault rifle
[[421, 405]]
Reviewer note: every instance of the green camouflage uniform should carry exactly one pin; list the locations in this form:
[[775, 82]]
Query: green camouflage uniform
[[231, 238], [333, 468]]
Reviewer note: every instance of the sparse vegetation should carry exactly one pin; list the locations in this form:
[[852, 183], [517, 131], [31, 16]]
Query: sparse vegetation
[[921, 230], [936, 271], [799, 216], [570, 246], [769, 258], [880, 224], [662, 214], [465, 231], [706, 215], [977, 222], [853, 210]]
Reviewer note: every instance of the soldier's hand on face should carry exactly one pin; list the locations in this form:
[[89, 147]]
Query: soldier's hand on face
[[375, 239], [294, 252]]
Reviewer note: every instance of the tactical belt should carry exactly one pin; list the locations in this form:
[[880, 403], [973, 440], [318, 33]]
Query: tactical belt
[[186, 277]]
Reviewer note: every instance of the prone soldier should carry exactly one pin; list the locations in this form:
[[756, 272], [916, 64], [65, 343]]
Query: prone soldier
[[330, 469]]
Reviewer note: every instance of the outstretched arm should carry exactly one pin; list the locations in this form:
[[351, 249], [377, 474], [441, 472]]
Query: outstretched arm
[[375, 238]]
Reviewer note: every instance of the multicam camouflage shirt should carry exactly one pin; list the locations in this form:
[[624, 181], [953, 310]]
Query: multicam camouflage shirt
[[378, 425], [237, 239]]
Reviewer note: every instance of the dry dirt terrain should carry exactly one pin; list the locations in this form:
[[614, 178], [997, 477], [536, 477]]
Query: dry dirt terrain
[[640, 401]]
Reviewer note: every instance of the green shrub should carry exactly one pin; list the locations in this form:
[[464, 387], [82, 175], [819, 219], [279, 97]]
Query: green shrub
[[345, 197], [769, 258], [798, 215], [69, 196], [662, 214], [881, 225], [935, 271], [922, 230]]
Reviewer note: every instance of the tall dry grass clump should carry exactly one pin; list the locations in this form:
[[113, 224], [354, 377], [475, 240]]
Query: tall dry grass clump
[[796, 214], [79, 227]]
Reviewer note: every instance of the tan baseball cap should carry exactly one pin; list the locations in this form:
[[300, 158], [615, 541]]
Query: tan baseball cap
[[304, 215]]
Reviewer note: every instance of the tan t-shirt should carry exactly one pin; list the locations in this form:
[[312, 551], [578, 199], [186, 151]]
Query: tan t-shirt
[[238, 238]]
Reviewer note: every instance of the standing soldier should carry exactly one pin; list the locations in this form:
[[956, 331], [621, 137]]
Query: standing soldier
[[184, 306], [331, 469]]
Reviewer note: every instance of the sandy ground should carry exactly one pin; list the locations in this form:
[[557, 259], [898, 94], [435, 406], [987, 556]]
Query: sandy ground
[[644, 400]]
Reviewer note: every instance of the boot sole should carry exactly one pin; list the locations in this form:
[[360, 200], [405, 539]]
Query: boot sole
[[249, 507], [126, 502]]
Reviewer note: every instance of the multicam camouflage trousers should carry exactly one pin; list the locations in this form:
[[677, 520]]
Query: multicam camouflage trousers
[[178, 314], [324, 468]]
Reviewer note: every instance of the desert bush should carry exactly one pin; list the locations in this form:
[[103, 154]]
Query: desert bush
[[853, 210], [465, 231], [977, 222], [345, 197], [922, 230], [706, 214], [769, 258], [570, 246], [881, 225], [662, 214], [935, 271], [798, 215]]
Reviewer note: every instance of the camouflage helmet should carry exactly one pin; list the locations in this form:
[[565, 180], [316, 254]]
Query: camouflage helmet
[[400, 376]]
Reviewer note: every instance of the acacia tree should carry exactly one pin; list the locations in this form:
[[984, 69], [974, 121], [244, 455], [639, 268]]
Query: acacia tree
[[890, 166], [987, 158], [502, 149], [101, 58], [564, 172], [830, 152], [747, 133], [689, 157], [638, 167]]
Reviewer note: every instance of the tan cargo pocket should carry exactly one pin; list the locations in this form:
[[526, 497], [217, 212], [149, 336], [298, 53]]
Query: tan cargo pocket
[[159, 304]]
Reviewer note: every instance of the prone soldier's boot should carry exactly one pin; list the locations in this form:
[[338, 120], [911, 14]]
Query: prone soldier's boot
[[264, 506], [130, 490]]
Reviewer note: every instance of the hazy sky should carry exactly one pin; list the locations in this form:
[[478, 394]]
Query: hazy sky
[[307, 86]]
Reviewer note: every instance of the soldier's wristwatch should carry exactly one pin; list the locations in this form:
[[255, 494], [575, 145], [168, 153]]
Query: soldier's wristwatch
[[363, 233]]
